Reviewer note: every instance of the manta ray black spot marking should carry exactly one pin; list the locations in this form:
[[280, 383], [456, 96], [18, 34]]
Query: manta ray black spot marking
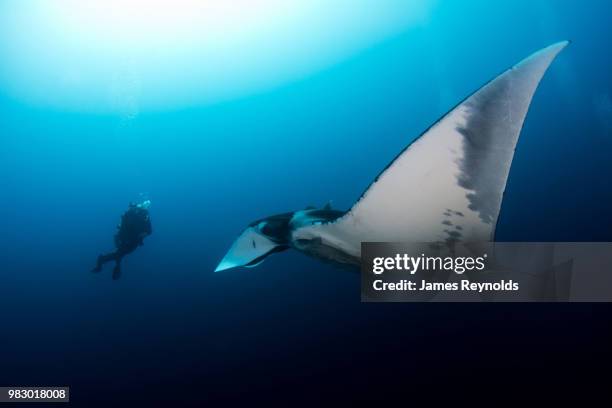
[[459, 227], [451, 241], [453, 234], [459, 213], [447, 222]]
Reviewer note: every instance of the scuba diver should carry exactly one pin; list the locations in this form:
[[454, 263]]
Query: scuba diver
[[135, 226]]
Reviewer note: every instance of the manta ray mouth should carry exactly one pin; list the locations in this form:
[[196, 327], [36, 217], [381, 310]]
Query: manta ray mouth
[[263, 257]]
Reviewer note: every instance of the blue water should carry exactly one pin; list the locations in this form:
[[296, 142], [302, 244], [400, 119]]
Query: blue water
[[292, 323]]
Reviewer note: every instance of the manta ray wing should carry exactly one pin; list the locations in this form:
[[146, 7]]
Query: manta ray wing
[[448, 184]]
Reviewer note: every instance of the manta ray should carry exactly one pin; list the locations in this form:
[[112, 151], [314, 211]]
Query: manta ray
[[445, 187]]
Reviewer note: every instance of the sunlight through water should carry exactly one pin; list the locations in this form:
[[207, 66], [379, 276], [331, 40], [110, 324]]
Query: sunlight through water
[[129, 56]]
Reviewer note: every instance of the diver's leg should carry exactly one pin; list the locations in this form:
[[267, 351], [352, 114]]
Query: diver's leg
[[102, 259], [117, 269]]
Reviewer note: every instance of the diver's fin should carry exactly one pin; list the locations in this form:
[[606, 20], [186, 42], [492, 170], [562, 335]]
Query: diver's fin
[[99, 263], [448, 184], [117, 271]]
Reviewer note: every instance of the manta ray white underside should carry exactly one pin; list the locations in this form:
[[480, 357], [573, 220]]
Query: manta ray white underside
[[448, 184]]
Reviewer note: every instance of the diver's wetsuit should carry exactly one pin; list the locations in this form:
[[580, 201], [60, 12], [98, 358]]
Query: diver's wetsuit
[[135, 226]]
